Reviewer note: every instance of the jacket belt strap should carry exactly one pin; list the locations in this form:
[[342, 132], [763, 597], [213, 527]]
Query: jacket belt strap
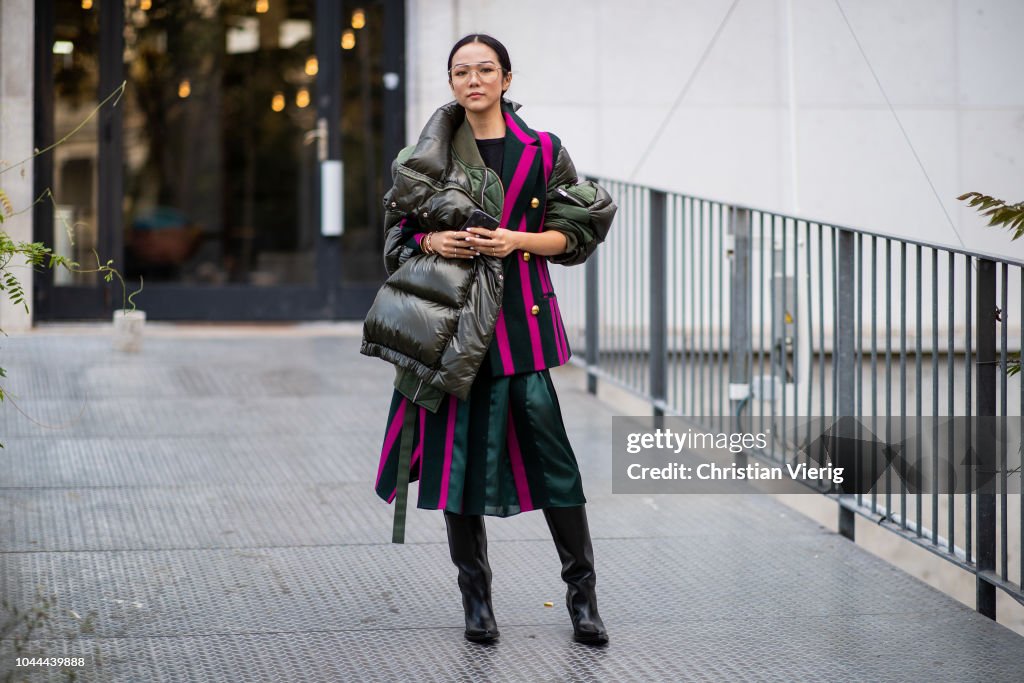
[[405, 446]]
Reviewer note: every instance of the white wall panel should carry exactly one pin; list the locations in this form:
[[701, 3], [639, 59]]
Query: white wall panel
[[784, 114]]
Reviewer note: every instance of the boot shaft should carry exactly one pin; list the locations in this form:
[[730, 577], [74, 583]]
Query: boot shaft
[[467, 543], [571, 534]]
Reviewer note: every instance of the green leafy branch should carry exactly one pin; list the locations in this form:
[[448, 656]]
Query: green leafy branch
[[999, 213], [1009, 217]]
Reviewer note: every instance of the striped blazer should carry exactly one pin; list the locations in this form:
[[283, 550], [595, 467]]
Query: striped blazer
[[529, 334]]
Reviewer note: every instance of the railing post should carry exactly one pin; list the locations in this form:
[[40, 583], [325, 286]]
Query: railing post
[[843, 353], [985, 435], [659, 310], [590, 319], [740, 313]]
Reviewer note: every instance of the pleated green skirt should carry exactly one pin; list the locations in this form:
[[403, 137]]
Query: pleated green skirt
[[502, 451]]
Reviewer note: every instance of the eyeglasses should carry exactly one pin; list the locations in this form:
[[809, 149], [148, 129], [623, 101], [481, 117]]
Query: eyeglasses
[[487, 72]]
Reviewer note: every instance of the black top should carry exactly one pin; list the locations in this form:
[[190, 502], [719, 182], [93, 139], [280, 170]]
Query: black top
[[493, 153]]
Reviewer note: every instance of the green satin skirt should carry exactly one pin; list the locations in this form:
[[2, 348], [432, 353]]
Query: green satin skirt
[[502, 451]]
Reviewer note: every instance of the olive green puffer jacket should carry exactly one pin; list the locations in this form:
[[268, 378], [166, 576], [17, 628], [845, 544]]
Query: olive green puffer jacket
[[434, 317]]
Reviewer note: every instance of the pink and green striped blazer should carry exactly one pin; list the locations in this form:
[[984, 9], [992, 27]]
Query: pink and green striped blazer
[[529, 334]]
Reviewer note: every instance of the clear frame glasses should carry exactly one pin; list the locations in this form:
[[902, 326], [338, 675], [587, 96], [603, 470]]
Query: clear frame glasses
[[486, 71]]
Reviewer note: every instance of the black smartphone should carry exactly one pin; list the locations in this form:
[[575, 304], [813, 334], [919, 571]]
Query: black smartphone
[[482, 219]]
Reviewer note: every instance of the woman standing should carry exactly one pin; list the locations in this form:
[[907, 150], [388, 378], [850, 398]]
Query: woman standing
[[471, 321]]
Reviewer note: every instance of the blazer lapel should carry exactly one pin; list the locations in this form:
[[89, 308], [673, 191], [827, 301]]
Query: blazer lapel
[[519, 169]]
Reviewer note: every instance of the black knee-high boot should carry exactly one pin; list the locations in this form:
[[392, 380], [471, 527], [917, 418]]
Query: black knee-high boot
[[571, 534], [467, 541]]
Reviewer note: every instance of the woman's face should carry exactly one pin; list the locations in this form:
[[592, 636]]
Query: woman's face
[[476, 78]]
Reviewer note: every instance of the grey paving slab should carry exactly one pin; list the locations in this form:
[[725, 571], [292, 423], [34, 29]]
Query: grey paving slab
[[205, 513]]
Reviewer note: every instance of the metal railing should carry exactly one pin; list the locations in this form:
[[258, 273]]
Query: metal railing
[[819, 315]]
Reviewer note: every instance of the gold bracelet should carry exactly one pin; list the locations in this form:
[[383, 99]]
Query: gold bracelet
[[426, 241]]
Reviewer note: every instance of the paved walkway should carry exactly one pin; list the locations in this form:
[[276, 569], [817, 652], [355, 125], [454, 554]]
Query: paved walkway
[[204, 512]]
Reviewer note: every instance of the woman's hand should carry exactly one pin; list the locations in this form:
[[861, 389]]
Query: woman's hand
[[499, 242], [450, 244]]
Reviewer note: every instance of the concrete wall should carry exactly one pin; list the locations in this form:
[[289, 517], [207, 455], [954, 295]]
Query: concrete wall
[[784, 113], [16, 107]]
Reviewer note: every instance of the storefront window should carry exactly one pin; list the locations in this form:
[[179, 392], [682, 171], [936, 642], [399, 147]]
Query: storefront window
[[218, 170]]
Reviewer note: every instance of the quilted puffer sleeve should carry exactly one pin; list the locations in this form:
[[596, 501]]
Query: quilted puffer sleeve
[[582, 211]]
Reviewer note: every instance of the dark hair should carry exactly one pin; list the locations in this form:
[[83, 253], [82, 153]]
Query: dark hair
[[489, 41]]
